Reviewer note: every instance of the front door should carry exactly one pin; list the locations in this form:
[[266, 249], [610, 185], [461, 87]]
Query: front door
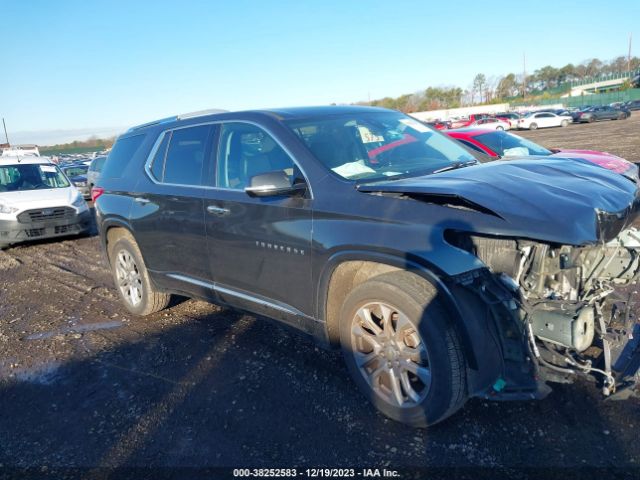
[[259, 248]]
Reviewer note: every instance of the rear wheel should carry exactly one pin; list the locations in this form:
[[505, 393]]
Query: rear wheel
[[592, 119], [132, 279], [402, 350], [564, 123], [533, 126], [499, 128]]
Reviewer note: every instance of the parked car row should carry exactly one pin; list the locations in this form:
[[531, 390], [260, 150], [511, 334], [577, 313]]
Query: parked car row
[[542, 118], [593, 114]]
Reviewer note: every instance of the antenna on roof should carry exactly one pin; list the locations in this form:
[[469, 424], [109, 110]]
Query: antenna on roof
[[5, 131]]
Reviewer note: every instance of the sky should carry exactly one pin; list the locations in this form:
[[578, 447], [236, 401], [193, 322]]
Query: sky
[[70, 69]]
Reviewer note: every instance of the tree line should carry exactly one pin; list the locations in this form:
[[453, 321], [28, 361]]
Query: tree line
[[498, 89], [92, 142]]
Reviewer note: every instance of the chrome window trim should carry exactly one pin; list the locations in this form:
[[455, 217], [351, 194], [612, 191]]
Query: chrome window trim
[[156, 146]]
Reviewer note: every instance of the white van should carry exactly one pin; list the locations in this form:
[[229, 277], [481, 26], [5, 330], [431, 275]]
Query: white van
[[38, 201]]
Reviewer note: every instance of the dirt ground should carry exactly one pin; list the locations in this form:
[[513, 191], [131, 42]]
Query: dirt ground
[[84, 384]]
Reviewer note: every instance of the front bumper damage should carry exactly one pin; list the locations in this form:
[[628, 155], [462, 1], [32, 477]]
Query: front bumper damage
[[557, 313]]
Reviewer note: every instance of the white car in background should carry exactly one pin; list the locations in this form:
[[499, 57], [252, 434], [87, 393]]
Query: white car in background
[[535, 120], [491, 123], [38, 201]]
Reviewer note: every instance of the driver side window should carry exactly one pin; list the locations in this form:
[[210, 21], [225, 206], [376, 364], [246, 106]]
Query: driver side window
[[245, 151]]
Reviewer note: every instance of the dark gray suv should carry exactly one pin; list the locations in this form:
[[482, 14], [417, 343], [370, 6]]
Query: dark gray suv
[[439, 278]]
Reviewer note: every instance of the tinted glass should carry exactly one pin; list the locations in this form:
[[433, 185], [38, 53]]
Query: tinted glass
[[157, 167], [368, 145], [508, 145], [75, 171], [245, 151], [185, 156], [22, 177], [122, 152]]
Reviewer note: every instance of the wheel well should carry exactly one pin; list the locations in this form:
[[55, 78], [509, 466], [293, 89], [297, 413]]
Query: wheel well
[[345, 278], [114, 234]]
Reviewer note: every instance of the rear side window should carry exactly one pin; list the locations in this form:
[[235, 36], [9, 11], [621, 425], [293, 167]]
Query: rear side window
[[186, 154], [157, 167], [122, 152]]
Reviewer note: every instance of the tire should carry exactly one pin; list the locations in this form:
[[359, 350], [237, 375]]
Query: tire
[[591, 119], [533, 126], [438, 380], [500, 128], [132, 280], [564, 123]]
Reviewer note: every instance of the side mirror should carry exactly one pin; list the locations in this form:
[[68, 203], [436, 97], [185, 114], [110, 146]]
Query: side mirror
[[272, 184]]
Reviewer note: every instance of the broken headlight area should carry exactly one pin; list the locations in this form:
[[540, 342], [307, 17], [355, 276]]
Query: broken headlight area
[[572, 305]]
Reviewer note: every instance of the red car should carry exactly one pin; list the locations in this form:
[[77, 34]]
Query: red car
[[499, 144], [474, 117]]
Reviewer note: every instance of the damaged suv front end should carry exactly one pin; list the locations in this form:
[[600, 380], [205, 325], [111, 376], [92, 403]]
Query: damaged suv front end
[[566, 306], [560, 258]]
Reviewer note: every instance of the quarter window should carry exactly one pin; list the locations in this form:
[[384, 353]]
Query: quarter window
[[157, 167], [185, 156], [245, 151]]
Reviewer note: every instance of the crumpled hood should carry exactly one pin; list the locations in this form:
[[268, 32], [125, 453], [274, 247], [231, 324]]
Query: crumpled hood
[[555, 200], [45, 198]]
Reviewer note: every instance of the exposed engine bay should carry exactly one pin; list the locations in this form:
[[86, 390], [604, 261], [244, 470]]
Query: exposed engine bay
[[570, 305]]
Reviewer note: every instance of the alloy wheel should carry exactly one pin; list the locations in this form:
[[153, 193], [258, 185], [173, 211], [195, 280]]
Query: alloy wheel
[[390, 354], [128, 278]]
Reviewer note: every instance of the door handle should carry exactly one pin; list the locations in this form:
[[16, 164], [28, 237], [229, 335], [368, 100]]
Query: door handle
[[142, 200], [217, 210]]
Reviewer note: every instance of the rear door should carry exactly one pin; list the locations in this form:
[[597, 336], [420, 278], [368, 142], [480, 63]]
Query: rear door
[[168, 212], [259, 248], [546, 119]]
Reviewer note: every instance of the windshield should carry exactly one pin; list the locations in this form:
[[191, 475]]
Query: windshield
[[377, 145], [20, 177], [75, 170], [509, 145]]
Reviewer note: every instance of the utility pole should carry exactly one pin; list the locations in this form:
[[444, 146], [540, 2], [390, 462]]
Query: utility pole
[[629, 55], [524, 75], [5, 131]]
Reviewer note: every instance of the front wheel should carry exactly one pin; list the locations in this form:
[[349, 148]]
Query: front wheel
[[402, 350], [564, 123], [132, 279], [499, 128], [533, 126]]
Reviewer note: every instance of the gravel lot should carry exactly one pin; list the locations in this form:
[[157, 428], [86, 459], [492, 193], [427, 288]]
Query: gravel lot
[[84, 384]]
